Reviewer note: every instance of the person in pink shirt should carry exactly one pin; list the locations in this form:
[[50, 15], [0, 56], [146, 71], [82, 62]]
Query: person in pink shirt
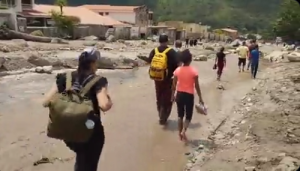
[[184, 84]]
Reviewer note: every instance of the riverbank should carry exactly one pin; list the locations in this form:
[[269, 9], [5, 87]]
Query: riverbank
[[261, 132]]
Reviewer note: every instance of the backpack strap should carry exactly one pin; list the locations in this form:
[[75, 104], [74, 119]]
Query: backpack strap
[[68, 81], [156, 51], [89, 85], [167, 50]]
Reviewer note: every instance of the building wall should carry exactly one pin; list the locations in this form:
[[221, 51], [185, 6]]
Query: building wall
[[142, 16], [128, 17]]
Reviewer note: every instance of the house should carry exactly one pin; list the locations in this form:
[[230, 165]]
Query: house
[[134, 15], [233, 34], [9, 10]]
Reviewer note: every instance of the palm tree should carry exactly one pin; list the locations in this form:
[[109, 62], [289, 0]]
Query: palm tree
[[61, 4]]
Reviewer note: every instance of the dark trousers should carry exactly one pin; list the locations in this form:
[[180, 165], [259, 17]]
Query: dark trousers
[[163, 91], [249, 63], [220, 66], [88, 154], [254, 68], [185, 105]]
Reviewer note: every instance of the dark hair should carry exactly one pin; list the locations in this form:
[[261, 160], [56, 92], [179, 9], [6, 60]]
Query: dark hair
[[222, 49], [178, 44], [186, 57], [84, 65], [244, 43], [256, 46], [163, 38]]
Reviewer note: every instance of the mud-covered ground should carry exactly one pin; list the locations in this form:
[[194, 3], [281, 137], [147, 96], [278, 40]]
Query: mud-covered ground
[[262, 133]]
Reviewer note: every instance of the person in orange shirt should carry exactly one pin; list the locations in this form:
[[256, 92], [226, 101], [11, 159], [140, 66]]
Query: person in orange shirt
[[184, 82]]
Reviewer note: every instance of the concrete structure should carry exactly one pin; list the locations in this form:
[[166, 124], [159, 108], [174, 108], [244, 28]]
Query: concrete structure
[[134, 15], [233, 34], [9, 10]]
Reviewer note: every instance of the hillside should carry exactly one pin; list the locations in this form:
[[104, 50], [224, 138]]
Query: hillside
[[247, 15]]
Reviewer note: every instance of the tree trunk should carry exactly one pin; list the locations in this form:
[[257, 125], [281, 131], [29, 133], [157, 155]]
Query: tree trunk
[[28, 37]]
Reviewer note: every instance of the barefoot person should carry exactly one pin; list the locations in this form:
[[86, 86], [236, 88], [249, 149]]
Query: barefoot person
[[220, 62], [163, 62], [184, 83], [87, 153]]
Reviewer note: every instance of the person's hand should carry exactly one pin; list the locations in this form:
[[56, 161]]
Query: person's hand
[[173, 97]]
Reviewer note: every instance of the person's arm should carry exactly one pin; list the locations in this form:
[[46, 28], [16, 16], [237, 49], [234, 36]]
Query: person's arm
[[104, 100], [216, 59], [198, 90], [174, 84], [48, 96], [150, 57], [224, 60]]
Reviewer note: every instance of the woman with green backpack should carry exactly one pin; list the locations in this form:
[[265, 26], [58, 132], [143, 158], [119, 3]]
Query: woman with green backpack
[[80, 94]]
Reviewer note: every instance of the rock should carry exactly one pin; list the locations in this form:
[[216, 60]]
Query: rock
[[58, 41], [250, 168], [121, 41], [2, 61], [275, 55], [20, 42], [110, 39], [220, 87], [294, 57], [107, 48], [287, 164], [89, 43], [5, 49], [201, 58], [90, 38], [44, 70], [37, 33], [209, 48], [143, 43], [47, 69], [37, 60]]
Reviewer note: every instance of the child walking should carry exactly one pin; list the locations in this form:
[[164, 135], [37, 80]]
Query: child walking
[[184, 82]]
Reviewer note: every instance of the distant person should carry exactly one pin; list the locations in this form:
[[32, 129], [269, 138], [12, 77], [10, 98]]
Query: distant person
[[178, 45], [191, 42], [195, 42], [87, 153], [220, 62], [251, 47], [163, 62], [184, 83], [254, 61], [243, 53], [187, 41]]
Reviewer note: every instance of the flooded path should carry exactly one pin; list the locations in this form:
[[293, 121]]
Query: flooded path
[[134, 139]]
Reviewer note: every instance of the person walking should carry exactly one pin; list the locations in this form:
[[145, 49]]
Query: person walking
[[178, 45], [243, 53], [187, 41], [184, 83], [254, 61], [163, 62], [251, 47], [87, 153], [220, 62]]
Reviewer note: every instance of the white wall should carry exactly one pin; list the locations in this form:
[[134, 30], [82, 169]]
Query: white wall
[[126, 16]]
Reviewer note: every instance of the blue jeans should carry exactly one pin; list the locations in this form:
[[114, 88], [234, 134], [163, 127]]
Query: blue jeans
[[254, 68]]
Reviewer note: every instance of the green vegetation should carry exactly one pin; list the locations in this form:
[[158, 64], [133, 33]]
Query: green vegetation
[[254, 16], [288, 23], [65, 24]]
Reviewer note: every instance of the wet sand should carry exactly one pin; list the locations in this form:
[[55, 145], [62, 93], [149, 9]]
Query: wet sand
[[134, 140]]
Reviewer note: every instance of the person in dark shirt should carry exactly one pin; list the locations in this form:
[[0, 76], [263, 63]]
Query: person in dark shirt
[[187, 41], [164, 88], [254, 61], [251, 47], [220, 62], [88, 153]]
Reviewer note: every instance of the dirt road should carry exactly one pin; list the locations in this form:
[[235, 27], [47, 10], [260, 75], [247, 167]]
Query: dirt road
[[134, 140]]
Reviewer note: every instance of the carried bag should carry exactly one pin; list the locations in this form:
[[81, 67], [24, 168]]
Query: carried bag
[[215, 67], [69, 112], [159, 65]]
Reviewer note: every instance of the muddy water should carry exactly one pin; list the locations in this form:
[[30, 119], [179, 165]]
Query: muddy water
[[134, 140]]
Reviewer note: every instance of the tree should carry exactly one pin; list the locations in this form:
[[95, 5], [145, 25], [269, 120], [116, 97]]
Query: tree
[[61, 4], [287, 25]]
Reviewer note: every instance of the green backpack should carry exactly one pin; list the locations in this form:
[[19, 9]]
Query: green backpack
[[69, 111]]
